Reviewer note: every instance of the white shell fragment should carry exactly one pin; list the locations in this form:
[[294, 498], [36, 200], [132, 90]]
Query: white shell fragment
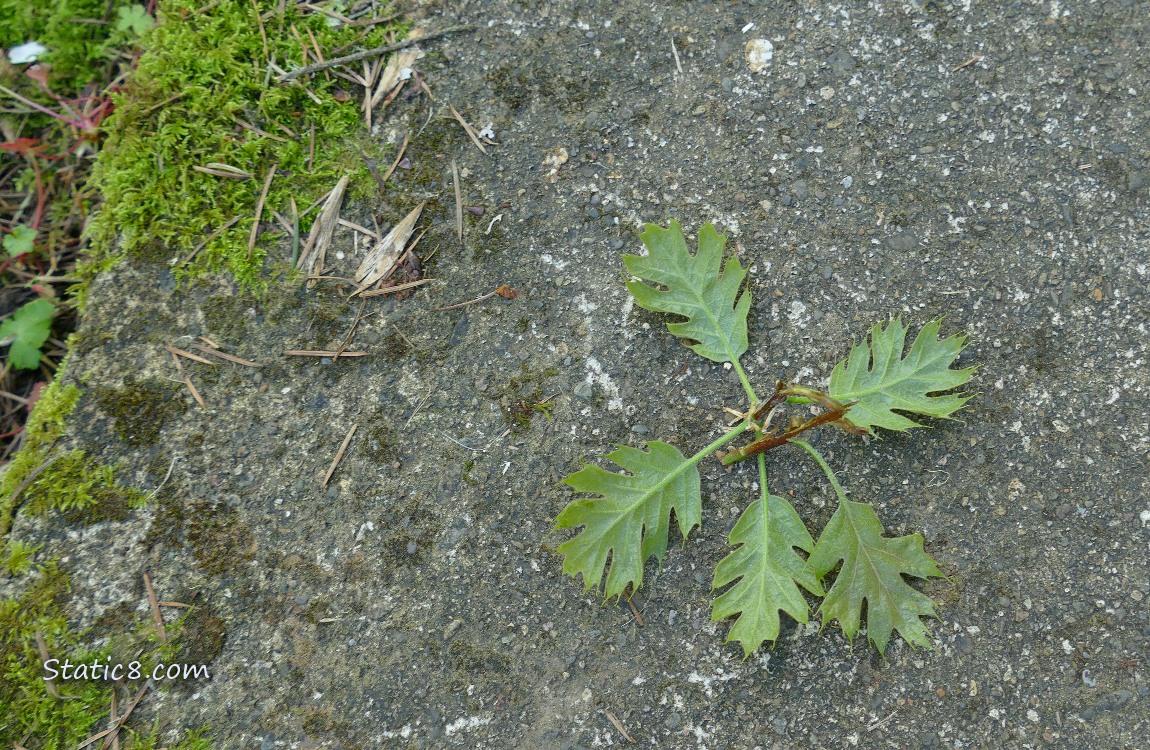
[[555, 158], [759, 54]]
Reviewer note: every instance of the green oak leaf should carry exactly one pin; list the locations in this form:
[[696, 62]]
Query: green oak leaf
[[27, 330], [769, 572], [872, 570], [629, 517], [696, 287], [877, 379]]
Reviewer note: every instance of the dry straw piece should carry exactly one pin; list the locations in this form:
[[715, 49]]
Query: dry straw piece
[[311, 258], [380, 262]]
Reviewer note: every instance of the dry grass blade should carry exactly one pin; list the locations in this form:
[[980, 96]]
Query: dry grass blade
[[380, 262], [314, 252], [470, 130], [389, 80], [339, 455]]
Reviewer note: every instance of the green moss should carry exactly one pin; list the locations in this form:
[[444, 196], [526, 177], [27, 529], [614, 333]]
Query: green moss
[[203, 72], [327, 317], [220, 540], [31, 710], [227, 316], [522, 398], [19, 558], [381, 445], [30, 716], [82, 489], [203, 635], [140, 409], [44, 427], [469, 658], [79, 53], [468, 467]]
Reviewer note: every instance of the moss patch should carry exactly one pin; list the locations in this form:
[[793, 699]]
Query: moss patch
[[30, 716], [381, 445], [522, 398], [83, 490], [140, 409], [204, 92], [220, 540], [45, 425], [226, 316]]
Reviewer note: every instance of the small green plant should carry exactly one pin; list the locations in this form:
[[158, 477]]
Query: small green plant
[[20, 240], [626, 516], [27, 330]]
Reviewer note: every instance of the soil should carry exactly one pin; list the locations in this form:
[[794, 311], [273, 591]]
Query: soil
[[984, 163]]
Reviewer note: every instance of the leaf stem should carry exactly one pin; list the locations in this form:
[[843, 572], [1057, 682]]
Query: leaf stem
[[719, 443], [745, 381], [818, 457], [774, 441]]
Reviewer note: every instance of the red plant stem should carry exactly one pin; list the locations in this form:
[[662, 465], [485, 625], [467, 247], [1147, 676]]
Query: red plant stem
[[774, 441]]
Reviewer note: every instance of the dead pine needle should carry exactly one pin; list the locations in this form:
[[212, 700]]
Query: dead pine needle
[[458, 201], [398, 158], [154, 603], [187, 380], [470, 130], [618, 725], [631, 604], [188, 355], [321, 353], [263, 33], [228, 357], [971, 61], [339, 455], [395, 289], [503, 291], [364, 54], [260, 207]]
